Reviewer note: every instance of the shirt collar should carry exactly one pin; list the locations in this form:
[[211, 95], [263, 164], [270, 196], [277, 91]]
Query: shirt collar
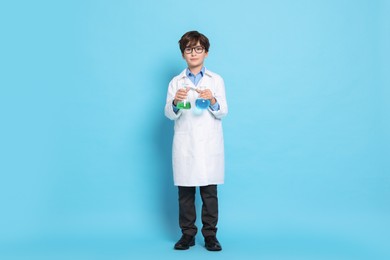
[[188, 72]]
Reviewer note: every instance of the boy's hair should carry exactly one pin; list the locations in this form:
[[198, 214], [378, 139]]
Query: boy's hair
[[191, 38]]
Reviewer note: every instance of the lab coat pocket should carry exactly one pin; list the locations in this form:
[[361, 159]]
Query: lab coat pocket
[[216, 146], [181, 145]]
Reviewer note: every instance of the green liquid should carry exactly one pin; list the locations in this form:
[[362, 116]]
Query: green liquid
[[181, 105]]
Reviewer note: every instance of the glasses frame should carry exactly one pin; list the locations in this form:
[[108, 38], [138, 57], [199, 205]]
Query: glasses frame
[[189, 50]]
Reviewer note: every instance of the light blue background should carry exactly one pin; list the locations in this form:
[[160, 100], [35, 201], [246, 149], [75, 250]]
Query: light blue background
[[86, 150]]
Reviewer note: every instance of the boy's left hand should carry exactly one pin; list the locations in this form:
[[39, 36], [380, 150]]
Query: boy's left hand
[[206, 94]]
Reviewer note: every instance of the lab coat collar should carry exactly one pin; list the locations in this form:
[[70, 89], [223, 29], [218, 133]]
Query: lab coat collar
[[189, 73], [206, 72]]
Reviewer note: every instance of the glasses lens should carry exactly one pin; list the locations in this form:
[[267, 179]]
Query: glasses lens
[[199, 49], [188, 50]]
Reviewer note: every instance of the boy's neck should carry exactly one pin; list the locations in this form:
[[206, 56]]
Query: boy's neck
[[195, 70]]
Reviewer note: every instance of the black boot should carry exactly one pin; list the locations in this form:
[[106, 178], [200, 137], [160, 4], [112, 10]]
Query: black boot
[[185, 242], [212, 243]]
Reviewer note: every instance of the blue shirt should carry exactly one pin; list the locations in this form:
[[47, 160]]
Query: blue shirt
[[195, 78]]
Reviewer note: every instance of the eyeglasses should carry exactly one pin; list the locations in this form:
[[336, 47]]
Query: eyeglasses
[[198, 49]]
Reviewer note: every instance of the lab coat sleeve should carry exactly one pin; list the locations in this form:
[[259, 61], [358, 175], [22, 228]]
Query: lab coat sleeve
[[169, 111], [220, 96]]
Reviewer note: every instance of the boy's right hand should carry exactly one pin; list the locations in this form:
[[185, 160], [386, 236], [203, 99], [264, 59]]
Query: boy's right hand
[[181, 95]]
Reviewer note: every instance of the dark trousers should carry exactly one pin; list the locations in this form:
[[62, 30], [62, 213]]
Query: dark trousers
[[187, 211]]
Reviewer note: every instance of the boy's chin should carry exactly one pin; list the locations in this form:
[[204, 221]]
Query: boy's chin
[[194, 65]]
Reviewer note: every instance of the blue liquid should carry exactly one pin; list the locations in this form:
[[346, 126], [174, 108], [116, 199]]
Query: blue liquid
[[202, 103]]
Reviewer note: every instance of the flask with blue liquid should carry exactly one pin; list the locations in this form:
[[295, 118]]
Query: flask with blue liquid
[[202, 103]]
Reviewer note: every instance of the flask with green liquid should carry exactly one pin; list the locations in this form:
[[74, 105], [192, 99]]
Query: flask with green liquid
[[185, 104]]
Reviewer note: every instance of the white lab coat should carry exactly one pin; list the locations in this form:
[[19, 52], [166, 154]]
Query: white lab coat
[[198, 148]]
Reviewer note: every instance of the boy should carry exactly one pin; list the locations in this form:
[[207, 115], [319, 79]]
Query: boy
[[198, 149]]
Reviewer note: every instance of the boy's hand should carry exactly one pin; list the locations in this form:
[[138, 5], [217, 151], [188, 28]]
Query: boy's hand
[[181, 94], [206, 94]]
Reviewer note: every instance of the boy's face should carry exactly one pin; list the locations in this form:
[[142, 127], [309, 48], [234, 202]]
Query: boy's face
[[195, 55]]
